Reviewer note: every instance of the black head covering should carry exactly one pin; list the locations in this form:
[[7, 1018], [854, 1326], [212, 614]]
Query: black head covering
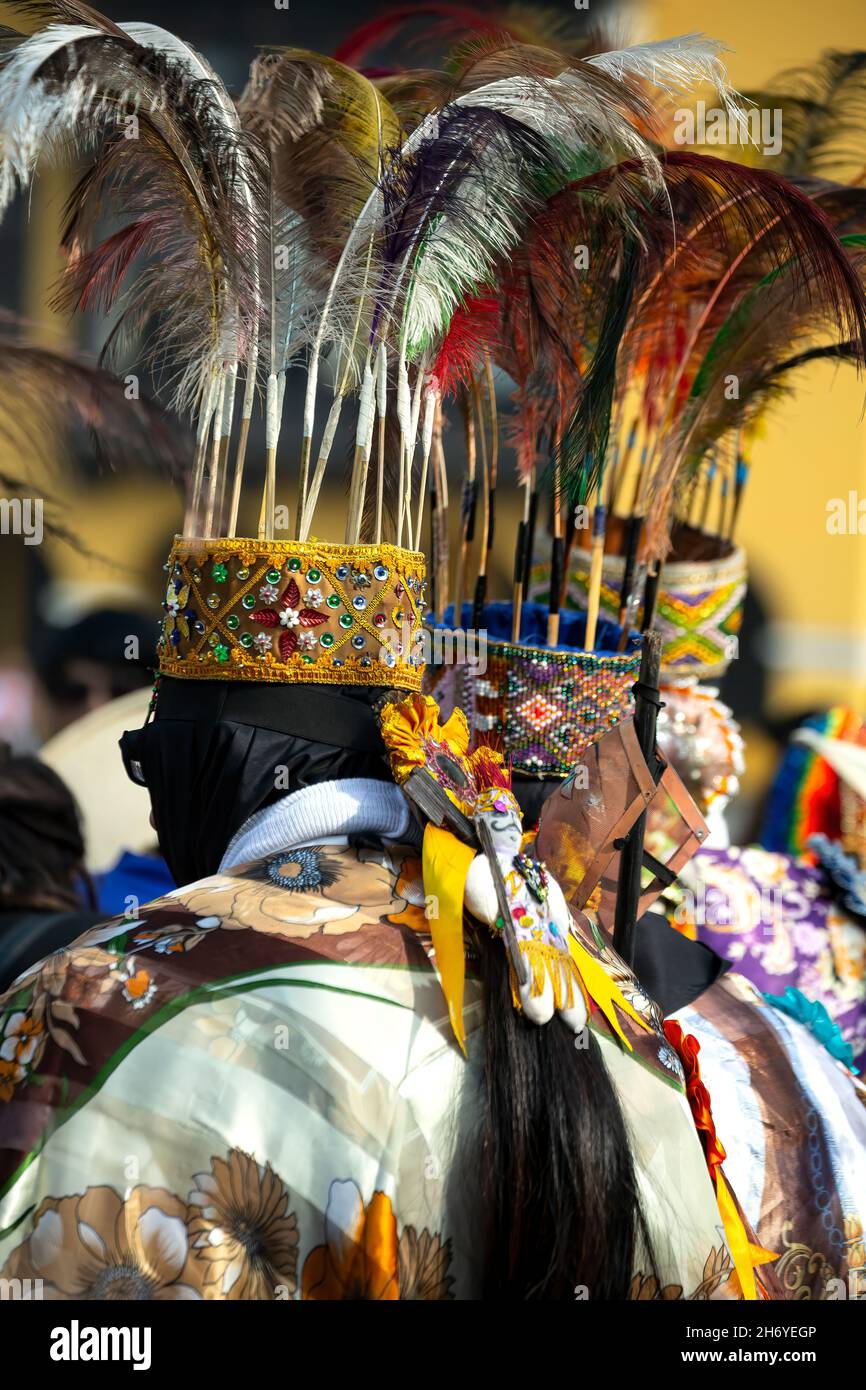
[[218, 751]]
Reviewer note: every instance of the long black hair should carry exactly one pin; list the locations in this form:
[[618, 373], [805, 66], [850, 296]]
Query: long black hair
[[560, 1206]]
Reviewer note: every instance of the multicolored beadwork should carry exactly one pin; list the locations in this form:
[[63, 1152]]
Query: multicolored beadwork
[[534, 874], [265, 624], [541, 707], [699, 610]]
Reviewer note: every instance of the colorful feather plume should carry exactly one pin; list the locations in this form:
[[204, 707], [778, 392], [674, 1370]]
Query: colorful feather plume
[[187, 175]]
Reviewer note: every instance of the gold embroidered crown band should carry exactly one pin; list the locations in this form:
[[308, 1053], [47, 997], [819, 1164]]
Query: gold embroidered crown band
[[239, 609]]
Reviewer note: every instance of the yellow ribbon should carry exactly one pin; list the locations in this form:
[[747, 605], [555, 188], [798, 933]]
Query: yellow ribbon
[[445, 864], [744, 1254], [602, 990]]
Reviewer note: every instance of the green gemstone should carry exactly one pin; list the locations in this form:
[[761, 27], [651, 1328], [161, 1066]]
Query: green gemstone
[[308, 660], [273, 576], [314, 576], [233, 622], [333, 601], [293, 564], [221, 652], [326, 640], [346, 620], [219, 573], [246, 640], [248, 601]]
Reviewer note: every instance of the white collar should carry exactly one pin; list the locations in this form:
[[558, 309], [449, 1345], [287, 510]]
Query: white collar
[[327, 811]]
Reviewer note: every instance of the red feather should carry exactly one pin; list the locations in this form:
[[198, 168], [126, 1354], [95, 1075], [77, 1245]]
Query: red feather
[[473, 330], [487, 771], [94, 280]]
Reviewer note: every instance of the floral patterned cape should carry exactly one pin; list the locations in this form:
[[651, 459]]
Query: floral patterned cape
[[252, 1091]]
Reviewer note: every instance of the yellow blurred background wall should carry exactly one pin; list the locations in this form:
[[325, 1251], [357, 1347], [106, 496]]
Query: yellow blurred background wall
[[813, 582]]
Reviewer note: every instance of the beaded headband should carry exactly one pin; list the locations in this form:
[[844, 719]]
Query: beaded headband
[[285, 611], [542, 706], [699, 610]]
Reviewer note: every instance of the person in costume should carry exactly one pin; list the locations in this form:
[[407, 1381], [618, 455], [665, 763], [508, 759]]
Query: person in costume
[[789, 912], [548, 692], [269, 1084]]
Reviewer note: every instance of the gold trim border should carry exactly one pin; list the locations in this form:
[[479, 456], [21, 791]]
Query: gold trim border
[[245, 546], [257, 554], [400, 677]]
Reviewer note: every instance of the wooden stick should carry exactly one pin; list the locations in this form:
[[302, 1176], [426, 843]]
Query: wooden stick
[[215, 454], [309, 495], [240, 456], [490, 507], [647, 706], [382, 407], [556, 547], [272, 433], [633, 531], [468, 506], [440, 518], [650, 595], [363, 445], [430, 407], [481, 576], [531, 519], [520, 564], [190, 524], [595, 574], [225, 429], [709, 475]]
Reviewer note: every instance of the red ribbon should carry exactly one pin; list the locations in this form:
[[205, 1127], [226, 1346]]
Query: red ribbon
[[687, 1049]]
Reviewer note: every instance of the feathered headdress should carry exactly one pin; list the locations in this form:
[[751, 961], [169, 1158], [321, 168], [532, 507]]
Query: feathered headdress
[[305, 221]]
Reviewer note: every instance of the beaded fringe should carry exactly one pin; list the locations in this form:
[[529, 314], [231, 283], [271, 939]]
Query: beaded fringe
[[557, 965]]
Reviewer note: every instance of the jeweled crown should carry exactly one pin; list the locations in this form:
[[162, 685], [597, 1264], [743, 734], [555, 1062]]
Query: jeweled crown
[[238, 609]]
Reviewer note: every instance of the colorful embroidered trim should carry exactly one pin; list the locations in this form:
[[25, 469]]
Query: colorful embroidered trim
[[699, 611], [284, 611]]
